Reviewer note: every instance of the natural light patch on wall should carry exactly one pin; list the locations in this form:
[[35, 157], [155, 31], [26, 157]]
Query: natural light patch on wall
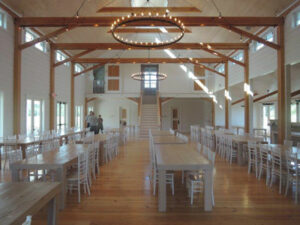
[[152, 3]]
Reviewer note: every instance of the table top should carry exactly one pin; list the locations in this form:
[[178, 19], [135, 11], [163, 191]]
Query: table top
[[161, 133], [244, 139], [17, 200], [54, 158], [180, 157], [168, 140]]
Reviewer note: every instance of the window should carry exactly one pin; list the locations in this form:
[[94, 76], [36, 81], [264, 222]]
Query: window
[[268, 114], [295, 112], [268, 37], [1, 114], [90, 108], [61, 115], [296, 19], [153, 3], [30, 36], [239, 57], [34, 116], [221, 69], [78, 117], [3, 20], [150, 80], [61, 57]]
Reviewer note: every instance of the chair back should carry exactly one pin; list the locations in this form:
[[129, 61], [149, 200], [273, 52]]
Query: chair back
[[82, 165], [31, 151], [14, 156]]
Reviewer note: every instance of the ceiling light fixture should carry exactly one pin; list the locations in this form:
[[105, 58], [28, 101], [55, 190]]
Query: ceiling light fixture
[[141, 76]]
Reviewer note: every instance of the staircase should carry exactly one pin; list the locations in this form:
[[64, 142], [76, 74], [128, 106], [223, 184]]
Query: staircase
[[149, 119]]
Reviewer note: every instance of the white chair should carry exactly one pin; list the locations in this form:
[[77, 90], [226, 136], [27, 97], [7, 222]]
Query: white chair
[[277, 168], [15, 156], [253, 157], [80, 177], [172, 131], [264, 162], [91, 163], [231, 152], [195, 182], [97, 156], [293, 172]]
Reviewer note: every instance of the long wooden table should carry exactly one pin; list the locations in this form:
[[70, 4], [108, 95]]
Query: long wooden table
[[182, 158], [24, 143], [17, 200], [168, 140], [58, 160]]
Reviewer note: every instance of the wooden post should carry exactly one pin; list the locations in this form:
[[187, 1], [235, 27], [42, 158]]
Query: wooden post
[[72, 95], [246, 96], [17, 80], [52, 89], [226, 100], [281, 85]]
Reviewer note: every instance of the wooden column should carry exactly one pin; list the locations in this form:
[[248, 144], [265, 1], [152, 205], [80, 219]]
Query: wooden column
[[246, 96], [281, 85], [52, 89], [17, 80], [226, 100], [72, 95]]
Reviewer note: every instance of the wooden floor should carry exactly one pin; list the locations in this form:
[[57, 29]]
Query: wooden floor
[[122, 194]]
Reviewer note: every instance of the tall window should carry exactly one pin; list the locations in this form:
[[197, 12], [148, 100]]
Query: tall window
[[30, 36], [61, 115], [295, 112], [78, 117], [78, 68], [3, 19], [221, 69], [34, 116], [239, 57], [268, 37], [268, 114], [150, 76], [296, 19], [1, 114], [61, 57]]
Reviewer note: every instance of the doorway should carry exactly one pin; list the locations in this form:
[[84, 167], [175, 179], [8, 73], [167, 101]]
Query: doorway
[[34, 116]]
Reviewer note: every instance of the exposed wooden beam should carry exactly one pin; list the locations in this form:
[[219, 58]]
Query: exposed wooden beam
[[147, 9], [290, 8], [163, 100], [210, 69], [89, 69], [265, 96], [223, 56], [281, 84], [251, 36], [45, 37], [72, 95], [17, 80], [119, 46], [52, 89], [188, 21], [90, 99], [8, 10], [73, 57], [295, 93], [136, 100], [147, 60]]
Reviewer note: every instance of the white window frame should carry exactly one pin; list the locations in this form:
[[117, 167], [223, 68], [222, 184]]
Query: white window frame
[[59, 56], [42, 116], [43, 44], [3, 17], [66, 124]]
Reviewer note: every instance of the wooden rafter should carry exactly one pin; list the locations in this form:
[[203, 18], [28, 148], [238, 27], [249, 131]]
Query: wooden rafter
[[152, 30], [119, 46], [88, 69], [45, 37], [163, 100], [147, 9], [251, 36], [73, 57], [90, 99], [188, 21], [8, 10], [223, 56], [136, 100], [147, 60], [240, 100], [210, 69]]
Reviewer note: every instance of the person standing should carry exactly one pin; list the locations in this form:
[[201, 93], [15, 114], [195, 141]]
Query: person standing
[[94, 123], [100, 123], [88, 119]]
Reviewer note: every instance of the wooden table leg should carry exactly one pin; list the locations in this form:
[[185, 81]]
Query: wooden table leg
[[208, 176], [52, 212], [162, 195]]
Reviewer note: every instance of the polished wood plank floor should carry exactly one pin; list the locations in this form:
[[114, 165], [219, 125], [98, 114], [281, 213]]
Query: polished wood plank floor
[[122, 194]]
